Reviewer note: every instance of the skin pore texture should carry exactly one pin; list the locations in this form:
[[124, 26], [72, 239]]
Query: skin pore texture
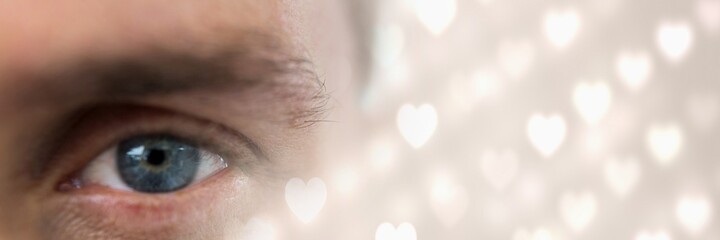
[[245, 79]]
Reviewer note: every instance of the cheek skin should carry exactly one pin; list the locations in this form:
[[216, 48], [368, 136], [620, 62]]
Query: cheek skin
[[202, 211]]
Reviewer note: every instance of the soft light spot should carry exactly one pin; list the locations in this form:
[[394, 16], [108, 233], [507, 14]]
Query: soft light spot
[[516, 57], [664, 142], [592, 100], [436, 15], [693, 213], [561, 26], [674, 39], [578, 209], [417, 124], [634, 68], [546, 132]]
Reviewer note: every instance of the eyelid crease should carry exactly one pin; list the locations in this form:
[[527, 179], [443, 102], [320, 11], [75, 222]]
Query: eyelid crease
[[109, 124]]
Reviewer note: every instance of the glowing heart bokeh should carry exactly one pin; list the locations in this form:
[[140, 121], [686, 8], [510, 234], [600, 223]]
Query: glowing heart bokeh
[[592, 100], [546, 133], [674, 40], [404, 231], [634, 69], [694, 213], [664, 142], [489, 119], [578, 209], [436, 15], [417, 124], [305, 200], [561, 26]]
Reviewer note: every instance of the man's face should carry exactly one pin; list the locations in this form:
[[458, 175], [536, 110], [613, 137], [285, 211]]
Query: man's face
[[155, 119]]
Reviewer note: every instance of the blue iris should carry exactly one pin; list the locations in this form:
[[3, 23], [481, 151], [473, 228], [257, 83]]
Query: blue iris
[[157, 164]]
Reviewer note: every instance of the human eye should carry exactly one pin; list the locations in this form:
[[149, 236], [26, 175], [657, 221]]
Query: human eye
[[157, 163], [146, 150], [143, 170]]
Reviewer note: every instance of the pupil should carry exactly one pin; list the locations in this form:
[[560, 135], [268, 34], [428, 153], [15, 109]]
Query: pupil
[[156, 157]]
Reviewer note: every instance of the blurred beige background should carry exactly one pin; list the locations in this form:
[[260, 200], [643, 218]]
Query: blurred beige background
[[525, 120]]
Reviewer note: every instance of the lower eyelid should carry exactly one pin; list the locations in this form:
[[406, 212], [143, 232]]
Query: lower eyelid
[[131, 212]]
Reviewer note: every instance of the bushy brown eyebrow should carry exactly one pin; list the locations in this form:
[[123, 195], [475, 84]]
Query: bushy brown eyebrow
[[254, 62]]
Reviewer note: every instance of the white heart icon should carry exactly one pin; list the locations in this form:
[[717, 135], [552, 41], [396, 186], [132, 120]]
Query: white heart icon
[[664, 142], [387, 231], [647, 235], [622, 175], [305, 200], [708, 12], [634, 69], [499, 167], [516, 57], [436, 15], [561, 26], [449, 201], [693, 213], [546, 133], [674, 40], [578, 209], [592, 100], [537, 234], [417, 124]]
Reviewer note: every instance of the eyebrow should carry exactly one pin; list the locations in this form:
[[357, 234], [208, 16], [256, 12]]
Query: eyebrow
[[256, 61]]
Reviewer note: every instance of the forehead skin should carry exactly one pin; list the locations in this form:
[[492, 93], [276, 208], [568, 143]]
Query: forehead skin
[[36, 35], [41, 32]]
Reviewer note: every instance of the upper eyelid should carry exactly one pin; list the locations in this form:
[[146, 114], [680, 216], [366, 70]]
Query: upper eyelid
[[225, 141]]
